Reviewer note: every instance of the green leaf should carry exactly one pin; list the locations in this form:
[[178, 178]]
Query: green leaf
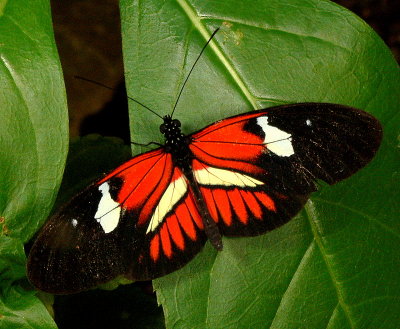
[[336, 264], [33, 122], [33, 148], [12, 260], [20, 309]]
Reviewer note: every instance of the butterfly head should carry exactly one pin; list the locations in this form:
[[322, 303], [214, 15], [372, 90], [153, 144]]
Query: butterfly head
[[170, 126], [171, 129]]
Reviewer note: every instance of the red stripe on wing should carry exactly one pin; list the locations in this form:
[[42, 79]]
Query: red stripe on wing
[[144, 160], [215, 160], [196, 216], [155, 248], [213, 130], [161, 176], [266, 200], [209, 199], [175, 231], [224, 205], [185, 219], [238, 205], [252, 203], [166, 241]]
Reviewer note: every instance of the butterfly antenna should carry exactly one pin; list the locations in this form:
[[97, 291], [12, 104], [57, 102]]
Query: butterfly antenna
[[194, 64], [110, 88]]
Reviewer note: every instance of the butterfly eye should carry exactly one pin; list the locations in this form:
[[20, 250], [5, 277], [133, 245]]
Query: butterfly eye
[[176, 122], [162, 128]]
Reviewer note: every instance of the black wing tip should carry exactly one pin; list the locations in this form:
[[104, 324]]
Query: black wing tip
[[347, 138]]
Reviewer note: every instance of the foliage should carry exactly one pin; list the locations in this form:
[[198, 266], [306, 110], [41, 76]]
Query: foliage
[[335, 265], [33, 148]]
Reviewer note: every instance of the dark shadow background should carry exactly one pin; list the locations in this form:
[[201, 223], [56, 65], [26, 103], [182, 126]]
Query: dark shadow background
[[90, 46]]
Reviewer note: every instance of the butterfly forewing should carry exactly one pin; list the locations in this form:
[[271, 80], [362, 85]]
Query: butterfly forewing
[[331, 141], [73, 253]]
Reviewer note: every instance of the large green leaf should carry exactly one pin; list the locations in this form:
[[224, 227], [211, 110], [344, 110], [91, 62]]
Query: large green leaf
[[34, 124], [33, 147], [336, 264]]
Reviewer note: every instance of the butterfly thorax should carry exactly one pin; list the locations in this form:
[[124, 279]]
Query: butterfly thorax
[[176, 143]]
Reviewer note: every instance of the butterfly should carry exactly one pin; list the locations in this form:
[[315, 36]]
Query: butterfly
[[241, 176]]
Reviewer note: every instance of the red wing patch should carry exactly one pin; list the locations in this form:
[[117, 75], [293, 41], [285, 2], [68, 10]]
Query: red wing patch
[[239, 164], [144, 180], [227, 144], [157, 197]]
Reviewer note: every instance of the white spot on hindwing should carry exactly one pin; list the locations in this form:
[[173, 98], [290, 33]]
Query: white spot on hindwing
[[74, 222], [308, 122], [108, 211], [172, 195], [276, 140], [216, 176]]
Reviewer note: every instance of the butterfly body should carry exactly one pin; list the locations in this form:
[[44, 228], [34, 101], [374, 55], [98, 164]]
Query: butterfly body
[[177, 144], [241, 176]]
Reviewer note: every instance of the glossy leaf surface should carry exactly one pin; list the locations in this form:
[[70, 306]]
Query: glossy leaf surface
[[33, 148]]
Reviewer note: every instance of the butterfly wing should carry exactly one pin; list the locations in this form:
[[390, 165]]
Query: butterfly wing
[[140, 221], [257, 170], [91, 239]]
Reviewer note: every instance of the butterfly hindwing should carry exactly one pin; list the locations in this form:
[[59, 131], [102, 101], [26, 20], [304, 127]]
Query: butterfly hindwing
[[175, 233], [257, 170]]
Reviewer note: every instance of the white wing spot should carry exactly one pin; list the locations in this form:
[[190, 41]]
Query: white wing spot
[[216, 176], [108, 211], [276, 140], [172, 195], [74, 222], [308, 122]]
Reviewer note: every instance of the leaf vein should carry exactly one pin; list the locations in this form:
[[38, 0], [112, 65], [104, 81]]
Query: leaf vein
[[310, 211], [370, 218]]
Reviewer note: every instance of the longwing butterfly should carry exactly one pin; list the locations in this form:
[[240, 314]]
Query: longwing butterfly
[[241, 176]]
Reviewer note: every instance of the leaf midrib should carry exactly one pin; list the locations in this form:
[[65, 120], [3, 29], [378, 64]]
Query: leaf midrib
[[310, 212]]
